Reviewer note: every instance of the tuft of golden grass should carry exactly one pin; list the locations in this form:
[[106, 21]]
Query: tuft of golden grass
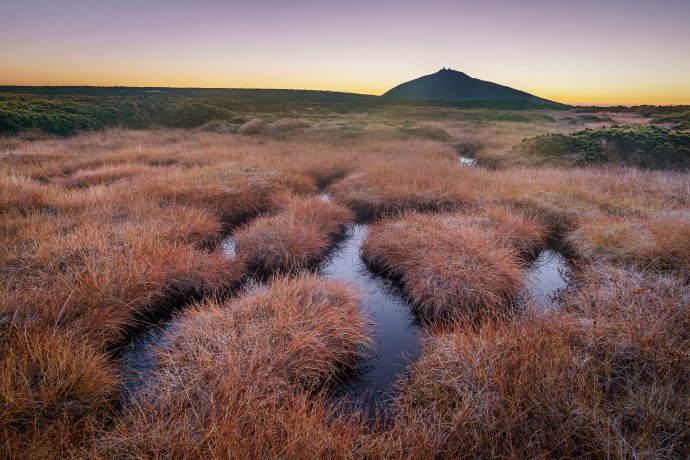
[[56, 391], [661, 241], [506, 228], [381, 191], [449, 267], [296, 238], [248, 378], [20, 194], [107, 174]]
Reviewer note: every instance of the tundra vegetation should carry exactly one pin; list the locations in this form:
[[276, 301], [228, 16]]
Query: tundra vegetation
[[103, 231]]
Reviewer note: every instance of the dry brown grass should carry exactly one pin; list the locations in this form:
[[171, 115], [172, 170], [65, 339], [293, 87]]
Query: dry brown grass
[[611, 381], [55, 392], [506, 228], [294, 239], [449, 268], [80, 265], [381, 191], [661, 241], [236, 379]]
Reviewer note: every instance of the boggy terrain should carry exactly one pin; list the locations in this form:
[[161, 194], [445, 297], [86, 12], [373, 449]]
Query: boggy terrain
[[105, 232]]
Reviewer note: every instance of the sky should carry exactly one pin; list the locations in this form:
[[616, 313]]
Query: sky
[[580, 52]]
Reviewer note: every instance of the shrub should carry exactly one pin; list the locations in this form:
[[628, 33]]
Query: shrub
[[643, 146]]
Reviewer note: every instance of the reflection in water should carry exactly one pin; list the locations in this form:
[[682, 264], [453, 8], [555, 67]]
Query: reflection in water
[[138, 357], [547, 276], [396, 334], [229, 247], [466, 161]]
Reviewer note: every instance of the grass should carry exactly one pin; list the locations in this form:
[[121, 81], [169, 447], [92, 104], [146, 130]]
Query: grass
[[606, 376], [660, 242], [100, 231], [275, 346], [378, 191], [296, 238], [450, 267], [54, 392]]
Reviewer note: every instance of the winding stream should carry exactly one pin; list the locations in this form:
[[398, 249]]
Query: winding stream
[[396, 333]]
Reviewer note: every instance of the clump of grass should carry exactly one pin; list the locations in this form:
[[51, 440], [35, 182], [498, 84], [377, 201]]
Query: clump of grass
[[296, 238], [237, 377], [448, 267], [98, 280], [234, 196], [661, 241], [107, 174], [21, 194], [608, 377], [527, 236], [383, 192], [56, 391]]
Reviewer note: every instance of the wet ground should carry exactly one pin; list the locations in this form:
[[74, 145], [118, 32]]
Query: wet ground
[[396, 333]]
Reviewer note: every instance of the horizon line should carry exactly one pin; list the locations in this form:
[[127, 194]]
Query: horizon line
[[577, 104]]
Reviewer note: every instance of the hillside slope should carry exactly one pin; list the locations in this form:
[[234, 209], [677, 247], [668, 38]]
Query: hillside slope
[[451, 85]]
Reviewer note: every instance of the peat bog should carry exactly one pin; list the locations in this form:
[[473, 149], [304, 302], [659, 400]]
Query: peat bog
[[378, 281]]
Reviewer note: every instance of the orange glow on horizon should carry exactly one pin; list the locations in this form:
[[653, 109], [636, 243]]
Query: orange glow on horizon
[[589, 52], [601, 96]]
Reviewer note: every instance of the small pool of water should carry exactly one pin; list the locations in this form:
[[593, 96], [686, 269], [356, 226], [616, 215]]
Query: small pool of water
[[466, 161], [229, 247], [138, 356], [325, 197], [396, 334], [547, 276]]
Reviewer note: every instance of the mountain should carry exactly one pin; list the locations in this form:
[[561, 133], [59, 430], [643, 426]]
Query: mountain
[[451, 85]]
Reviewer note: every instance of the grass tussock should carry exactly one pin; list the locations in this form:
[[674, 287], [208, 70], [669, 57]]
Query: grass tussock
[[296, 238], [607, 378], [100, 282], [107, 174], [275, 347], [378, 190], [56, 392], [506, 228], [661, 242], [20, 194], [449, 265]]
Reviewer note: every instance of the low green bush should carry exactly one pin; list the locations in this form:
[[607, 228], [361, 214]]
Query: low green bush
[[650, 147]]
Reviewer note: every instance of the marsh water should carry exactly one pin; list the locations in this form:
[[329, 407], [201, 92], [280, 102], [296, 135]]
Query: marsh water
[[138, 355], [546, 277], [466, 161], [396, 334]]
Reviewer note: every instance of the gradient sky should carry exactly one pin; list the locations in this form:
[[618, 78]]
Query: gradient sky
[[602, 52]]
